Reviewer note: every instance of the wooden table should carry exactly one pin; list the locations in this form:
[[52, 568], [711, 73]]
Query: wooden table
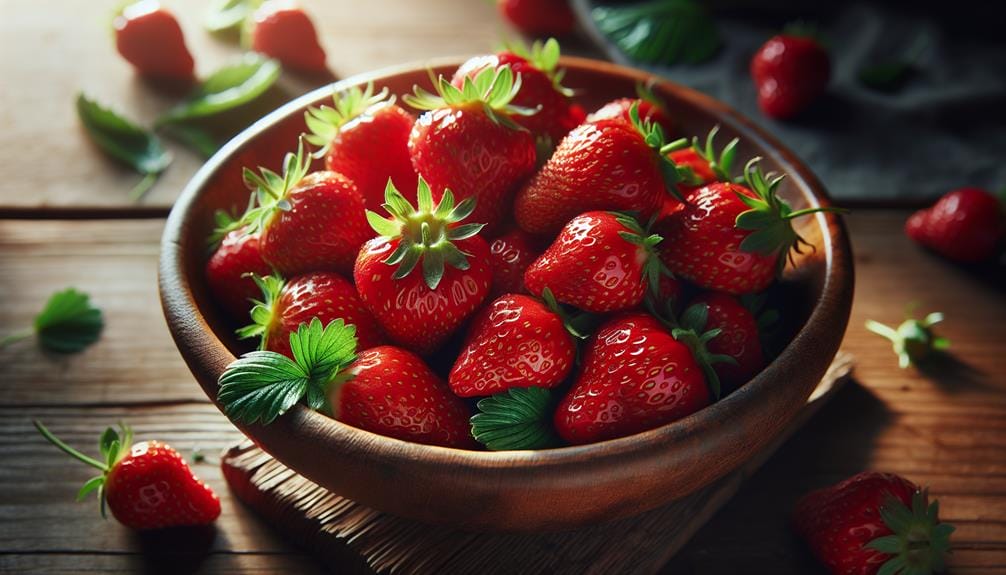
[[67, 223]]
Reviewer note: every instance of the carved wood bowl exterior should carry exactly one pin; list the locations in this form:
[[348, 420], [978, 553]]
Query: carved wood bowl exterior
[[522, 490]]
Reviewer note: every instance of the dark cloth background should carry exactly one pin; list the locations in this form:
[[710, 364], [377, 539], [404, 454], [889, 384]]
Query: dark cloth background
[[945, 128]]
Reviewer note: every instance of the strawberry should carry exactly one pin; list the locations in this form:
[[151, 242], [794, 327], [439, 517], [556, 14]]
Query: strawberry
[[420, 309], [538, 17], [732, 238], [517, 342], [914, 340], [236, 256], [149, 38], [391, 391], [467, 141], [285, 305], [307, 223], [609, 164], [509, 257], [739, 337], [699, 166], [147, 485], [965, 225], [365, 137], [601, 262], [635, 376], [282, 30], [651, 109], [541, 86], [874, 523], [790, 72]]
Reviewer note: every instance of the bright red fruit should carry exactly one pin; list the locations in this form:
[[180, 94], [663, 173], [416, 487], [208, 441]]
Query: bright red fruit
[[150, 39], [871, 523], [649, 110], [739, 338], [517, 342], [699, 166], [237, 255], [965, 225], [392, 392], [509, 257], [308, 222], [789, 72], [468, 142], [282, 30], [635, 377], [601, 262], [365, 137], [425, 273], [147, 485], [539, 17], [284, 306]]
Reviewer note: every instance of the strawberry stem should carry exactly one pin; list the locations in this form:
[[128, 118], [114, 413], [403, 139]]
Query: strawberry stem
[[67, 449], [679, 144], [15, 337], [806, 211]]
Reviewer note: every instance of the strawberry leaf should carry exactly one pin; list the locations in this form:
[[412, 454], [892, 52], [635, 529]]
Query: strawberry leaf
[[223, 15], [68, 323], [519, 418], [226, 89], [660, 32]]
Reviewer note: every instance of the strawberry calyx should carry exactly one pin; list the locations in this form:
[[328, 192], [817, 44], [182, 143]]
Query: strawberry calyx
[[492, 88], [325, 122], [913, 340], [426, 233], [636, 235], [272, 191], [690, 330], [721, 163], [919, 542], [653, 135], [114, 446], [578, 326], [518, 418], [263, 314], [545, 57]]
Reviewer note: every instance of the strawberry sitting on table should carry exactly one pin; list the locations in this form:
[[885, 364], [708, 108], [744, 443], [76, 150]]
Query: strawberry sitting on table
[[282, 30], [965, 225], [150, 38]]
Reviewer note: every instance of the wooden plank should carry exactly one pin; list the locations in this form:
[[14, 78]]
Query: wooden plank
[[169, 564]]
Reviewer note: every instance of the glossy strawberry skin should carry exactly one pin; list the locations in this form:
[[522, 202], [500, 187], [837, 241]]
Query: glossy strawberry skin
[[789, 72], [285, 32], [590, 266], [509, 257], [152, 487], [689, 158], [965, 225], [412, 315], [238, 254], [647, 111], [539, 17], [464, 150], [838, 521], [372, 148], [634, 377], [322, 231], [701, 243], [516, 342], [394, 393], [739, 338], [328, 297], [605, 165], [150, 38]]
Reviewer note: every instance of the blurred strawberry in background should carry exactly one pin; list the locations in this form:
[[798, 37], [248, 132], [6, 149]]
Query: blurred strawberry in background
[[149, 38], [282, 30], [790, 71], [538, 17], [965, 225]]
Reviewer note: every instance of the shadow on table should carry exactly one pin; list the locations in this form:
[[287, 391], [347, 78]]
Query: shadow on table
[[176, 551]]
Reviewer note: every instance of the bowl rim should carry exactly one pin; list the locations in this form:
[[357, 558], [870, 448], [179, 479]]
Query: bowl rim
[[198, 343]]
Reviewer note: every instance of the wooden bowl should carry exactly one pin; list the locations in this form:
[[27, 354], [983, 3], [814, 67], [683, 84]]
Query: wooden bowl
[[521, 490]]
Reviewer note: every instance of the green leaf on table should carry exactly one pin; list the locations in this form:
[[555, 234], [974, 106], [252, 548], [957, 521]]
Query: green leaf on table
[[519, 418], [223, 15], [68, 323], [886, 76], [193, 137], [226, 89], [660, 32]]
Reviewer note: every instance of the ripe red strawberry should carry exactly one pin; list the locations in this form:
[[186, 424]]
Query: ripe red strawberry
[[874, 523], [468, 142], [732, 238], [738, 338], [539, 17], [226, 272], [541, 86], [604, 165], [147, 485], [308, 222], [420, 308], [149, 38], [651, 109], [635, 376], [282, 30], [509, 257], [601, 262], [365, 137], [281, 308], [394, 393], [966, 225], [517, 342], [789, 72], [699, 166]]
